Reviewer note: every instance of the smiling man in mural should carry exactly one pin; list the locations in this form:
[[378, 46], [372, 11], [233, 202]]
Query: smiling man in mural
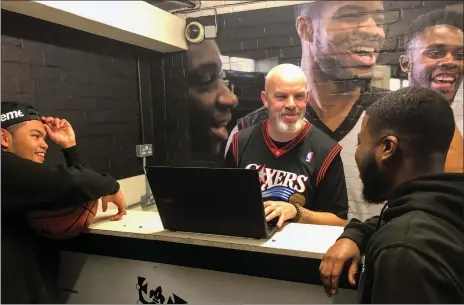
[[434, 59], [340, 43], [211, 99]]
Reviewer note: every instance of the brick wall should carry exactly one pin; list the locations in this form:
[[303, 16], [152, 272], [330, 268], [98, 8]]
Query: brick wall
[[87, 79], [270, 33], [172, 108]]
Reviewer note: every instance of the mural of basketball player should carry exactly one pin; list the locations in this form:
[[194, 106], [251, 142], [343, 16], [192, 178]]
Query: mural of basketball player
[[340, 43], [434, 59], [209, 95]]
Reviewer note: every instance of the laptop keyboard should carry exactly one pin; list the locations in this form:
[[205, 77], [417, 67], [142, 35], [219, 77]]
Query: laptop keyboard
[[271, 227]]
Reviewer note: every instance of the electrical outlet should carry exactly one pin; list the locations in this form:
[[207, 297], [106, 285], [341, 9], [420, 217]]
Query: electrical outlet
[[144, 150], [147, 201]]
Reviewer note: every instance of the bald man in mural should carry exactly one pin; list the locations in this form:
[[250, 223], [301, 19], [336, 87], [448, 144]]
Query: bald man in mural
[[340, 43], [434, 59]]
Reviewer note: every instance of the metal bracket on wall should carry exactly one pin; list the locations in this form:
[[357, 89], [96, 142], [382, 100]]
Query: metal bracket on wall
[[147, 201]]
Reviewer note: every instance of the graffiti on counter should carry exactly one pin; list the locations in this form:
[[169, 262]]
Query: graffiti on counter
[[155, 296]]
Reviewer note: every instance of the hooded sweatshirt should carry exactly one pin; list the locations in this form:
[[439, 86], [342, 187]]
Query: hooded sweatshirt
[[416, 253]]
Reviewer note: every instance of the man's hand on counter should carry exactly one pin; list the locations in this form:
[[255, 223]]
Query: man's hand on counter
[[119, 201], [283, 210], [332, 264]]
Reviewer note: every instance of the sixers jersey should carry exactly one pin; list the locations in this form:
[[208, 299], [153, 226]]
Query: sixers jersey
[[348, 139], [291, 171]]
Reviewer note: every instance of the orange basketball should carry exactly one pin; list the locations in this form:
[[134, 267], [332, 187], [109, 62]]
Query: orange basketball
[[297, 199], [63, 223]]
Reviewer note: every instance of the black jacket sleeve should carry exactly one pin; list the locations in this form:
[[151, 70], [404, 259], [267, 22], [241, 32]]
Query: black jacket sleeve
[[331, 194], [404, 275], [30, 185], [360, 232], [72, 157]]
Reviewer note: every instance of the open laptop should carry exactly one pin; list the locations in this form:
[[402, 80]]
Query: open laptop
[[221, 201]]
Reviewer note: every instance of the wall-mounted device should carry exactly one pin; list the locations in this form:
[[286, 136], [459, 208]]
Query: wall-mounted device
[[144, 150], [195, 32], [210, 31]]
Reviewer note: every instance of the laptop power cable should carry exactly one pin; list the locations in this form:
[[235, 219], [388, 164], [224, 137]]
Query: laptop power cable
[[143, 151]]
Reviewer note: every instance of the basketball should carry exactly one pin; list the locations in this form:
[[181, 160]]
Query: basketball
[[63, 223], [297, 199]]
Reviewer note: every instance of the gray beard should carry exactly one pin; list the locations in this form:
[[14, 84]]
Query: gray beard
[[287, 128]]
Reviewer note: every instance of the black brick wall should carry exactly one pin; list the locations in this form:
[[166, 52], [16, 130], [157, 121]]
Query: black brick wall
[[87, 79], [172, 108], [271, 33]]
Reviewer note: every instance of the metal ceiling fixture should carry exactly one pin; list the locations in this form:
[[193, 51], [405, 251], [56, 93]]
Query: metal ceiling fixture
[[175, 5], [215, 7]]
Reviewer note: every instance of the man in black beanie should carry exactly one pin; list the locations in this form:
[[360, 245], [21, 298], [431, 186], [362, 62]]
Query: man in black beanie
[[29, 263]]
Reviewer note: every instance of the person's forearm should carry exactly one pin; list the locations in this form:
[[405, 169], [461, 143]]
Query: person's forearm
[[321, 218], [360, 232], [31, 185]]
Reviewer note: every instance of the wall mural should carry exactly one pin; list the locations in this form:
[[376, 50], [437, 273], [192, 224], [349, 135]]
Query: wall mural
[[352, 52]]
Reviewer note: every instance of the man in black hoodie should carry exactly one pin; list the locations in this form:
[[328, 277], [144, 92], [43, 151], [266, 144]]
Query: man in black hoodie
[[416, 252], [29, 263]]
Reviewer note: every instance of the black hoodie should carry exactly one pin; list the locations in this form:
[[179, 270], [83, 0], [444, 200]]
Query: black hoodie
[[30, 263], [416, 255]]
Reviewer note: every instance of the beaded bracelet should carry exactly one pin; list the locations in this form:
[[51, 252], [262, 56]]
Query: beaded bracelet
[[298, 213]]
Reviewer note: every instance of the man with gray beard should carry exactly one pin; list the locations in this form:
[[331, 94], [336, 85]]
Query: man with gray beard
[[340, 43], [300, 169]]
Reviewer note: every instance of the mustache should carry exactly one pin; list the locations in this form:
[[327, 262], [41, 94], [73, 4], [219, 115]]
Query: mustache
[[290, 112]]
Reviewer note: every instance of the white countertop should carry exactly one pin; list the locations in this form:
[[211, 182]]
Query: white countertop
[[293, 239]]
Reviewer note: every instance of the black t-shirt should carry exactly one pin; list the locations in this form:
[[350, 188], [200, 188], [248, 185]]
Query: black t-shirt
[[307, 170]]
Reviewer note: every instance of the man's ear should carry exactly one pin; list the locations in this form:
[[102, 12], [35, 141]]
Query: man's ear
[[405, 63], [304, 28], [6, 139], [389, 147], [264, 98]]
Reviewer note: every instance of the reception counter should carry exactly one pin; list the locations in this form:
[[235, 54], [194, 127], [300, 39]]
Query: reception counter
[[135, 260]]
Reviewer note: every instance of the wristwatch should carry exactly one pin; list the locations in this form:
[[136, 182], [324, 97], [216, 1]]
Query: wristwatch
[[298, 213]]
